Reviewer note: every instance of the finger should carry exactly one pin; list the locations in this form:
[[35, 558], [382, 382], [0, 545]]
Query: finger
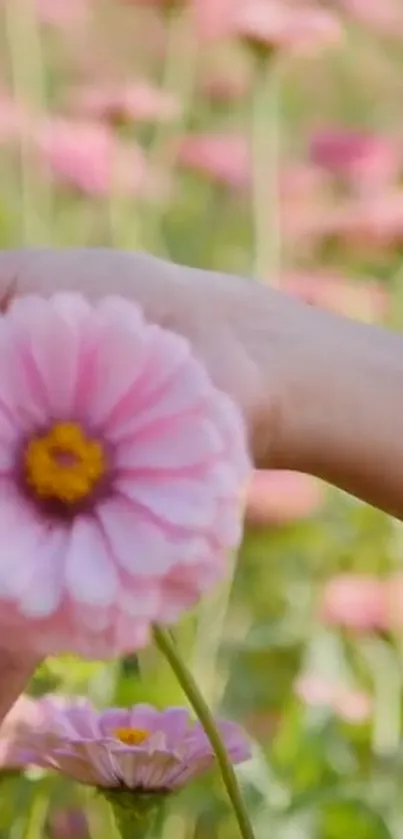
[[15, 673]]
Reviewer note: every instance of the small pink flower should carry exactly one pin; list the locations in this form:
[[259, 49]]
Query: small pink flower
[[368, 163], [354, 601], [278, 24], [88, 157], [227, 84], [353, 706], [394, 596], [139, 101], [366, 301], [15, 121], [136, 749], [122, 476], [314, 691], [384, 18], [213, 17], [277, 498], [61, 13], [222, 157], [68, 823], [270, 23]]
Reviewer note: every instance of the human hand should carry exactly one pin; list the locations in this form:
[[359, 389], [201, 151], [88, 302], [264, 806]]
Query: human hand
[[225, 324], [225, 318]]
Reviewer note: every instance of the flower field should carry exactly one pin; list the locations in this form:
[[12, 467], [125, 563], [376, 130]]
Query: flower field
[[262, 138]]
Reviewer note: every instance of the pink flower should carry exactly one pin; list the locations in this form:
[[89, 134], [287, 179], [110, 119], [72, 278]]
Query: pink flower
[[15, 121], [270, 23], [222, 157], [353, 706], [61, 13], [226, 84], [368, 228], [276, 23], [68, 824], [212, 17], [277, 498], [355, 602], [368, 163], [384, 18], [88, 157], [122, 473], [394, 596], [366, 301], [136, 749], [139, 101]]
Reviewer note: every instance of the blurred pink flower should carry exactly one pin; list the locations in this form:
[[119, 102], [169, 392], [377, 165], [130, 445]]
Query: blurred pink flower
[[353, 706], [303, 183], [88, 157], [226, 84], [23, 717], [384, 18], [367, 227], [279, 24], [277, 498], [137, 748], [137, 101], [314, 690], [354, 601], [62, 12], [221, 157], [371, 224], [394, 597], [123, 475], [367, 162], [365, 300], [68, 823], [305, 191], [15, 120], [212, 17], [272, 23]]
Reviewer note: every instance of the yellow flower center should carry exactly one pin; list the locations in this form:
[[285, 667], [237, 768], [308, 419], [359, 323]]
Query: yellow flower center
[[132, 736], [64, 465]]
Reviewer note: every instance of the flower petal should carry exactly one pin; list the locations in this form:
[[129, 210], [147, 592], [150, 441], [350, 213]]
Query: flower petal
[[138, 545], [44, 591], [181, 502], [21, 537], [90, 574], [176, 446], [50, 345]]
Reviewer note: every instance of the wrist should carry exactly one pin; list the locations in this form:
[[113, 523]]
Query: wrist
[[278, 336]]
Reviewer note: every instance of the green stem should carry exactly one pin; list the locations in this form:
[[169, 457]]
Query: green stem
[[167, 647], [178, 78], [29, 87], [265, 147], [134, 813]]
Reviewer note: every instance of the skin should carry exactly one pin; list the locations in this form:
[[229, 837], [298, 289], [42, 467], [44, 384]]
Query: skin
[[319, 393]]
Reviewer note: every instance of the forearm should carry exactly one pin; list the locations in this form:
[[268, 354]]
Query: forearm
[[342, 405]]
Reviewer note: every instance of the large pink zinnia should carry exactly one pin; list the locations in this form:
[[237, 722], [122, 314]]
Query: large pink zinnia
[[122, 470]]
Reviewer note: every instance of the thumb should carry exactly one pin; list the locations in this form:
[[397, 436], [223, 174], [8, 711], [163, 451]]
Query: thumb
[[15, 673]]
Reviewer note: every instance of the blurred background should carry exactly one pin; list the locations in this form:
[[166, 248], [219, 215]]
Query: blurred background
[[259, 137]]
